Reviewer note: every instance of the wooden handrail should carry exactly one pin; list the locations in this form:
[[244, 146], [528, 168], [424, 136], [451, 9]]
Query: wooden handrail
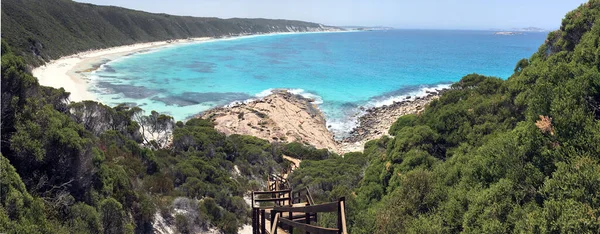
[[338, 207], [271, 199], [299, 217], [327, 207], [298, 196], [272, 192], [278, 182], [309, 228]]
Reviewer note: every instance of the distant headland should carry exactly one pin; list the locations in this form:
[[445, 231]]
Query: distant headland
[[517, 31], [366, 28]]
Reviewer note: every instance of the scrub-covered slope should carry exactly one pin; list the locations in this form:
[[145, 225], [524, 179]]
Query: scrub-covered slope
[[490, 156], [43, 30]]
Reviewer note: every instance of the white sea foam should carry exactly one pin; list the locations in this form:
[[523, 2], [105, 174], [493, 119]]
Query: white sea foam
[[317, 99], [422, 92], [296, 91], [259, 95], [341, 127], [264, 93]]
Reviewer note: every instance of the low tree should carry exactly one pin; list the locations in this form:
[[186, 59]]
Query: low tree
[[113, 217]]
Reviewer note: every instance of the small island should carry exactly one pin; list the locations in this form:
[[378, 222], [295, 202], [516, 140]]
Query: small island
[[517, 31], [508, 33]]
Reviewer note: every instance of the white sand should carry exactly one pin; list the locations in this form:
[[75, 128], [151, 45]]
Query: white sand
[[71, 72]]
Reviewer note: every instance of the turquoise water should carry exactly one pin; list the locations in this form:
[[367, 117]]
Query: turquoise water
[[342, 71]]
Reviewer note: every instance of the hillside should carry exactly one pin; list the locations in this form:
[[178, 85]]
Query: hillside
[[44, 30], [489, 156], [88, 168]]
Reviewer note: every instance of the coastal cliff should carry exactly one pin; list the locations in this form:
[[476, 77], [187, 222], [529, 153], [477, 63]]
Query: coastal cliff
[[44, 30]]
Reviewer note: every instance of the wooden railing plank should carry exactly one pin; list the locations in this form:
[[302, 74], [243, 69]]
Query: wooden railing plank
[[326, 207], [254, 222], [272, 192], [271, 199], [292, 216], [343, 214], [274, 224], [308, 227], [263, 226]]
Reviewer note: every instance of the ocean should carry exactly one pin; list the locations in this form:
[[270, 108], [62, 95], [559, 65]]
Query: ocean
[[341, 71]]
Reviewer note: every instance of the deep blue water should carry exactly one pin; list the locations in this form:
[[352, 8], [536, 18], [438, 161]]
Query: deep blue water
[[341, 70]]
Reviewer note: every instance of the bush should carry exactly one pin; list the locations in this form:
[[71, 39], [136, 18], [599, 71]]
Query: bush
[[113, 216]]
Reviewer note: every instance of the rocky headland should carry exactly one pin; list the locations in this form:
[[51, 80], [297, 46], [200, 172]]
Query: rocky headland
[[281, 116], [286, 117]]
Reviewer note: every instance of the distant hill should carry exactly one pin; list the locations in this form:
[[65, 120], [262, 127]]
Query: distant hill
[[366, 28], [44, 30], [527, 29]]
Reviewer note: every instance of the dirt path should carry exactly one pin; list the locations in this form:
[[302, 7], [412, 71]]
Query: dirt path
[[295, 164]]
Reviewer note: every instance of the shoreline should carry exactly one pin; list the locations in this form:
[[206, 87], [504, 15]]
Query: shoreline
[[72, 72], [377, 121], [342, 128]]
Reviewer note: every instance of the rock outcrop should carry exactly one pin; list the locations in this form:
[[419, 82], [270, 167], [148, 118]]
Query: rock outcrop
[[281, 116]]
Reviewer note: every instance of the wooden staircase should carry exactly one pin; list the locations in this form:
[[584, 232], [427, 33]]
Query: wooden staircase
[[281, 209]]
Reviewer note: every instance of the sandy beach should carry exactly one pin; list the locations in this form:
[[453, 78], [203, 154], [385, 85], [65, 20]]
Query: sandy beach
[[71, 72]]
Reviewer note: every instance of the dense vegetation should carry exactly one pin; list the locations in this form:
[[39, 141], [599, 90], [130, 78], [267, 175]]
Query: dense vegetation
[[85, 167], [88, 168], [43, 30], [490, 156]]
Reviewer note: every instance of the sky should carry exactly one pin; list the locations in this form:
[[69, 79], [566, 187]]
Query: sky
[[423, 14]]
